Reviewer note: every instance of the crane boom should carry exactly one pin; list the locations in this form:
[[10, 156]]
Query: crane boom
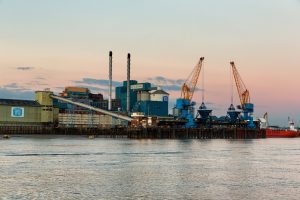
[[189, 86], [243, 92], [244, 95]]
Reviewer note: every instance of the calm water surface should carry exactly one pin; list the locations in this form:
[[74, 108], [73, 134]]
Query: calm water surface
[[58, 167]]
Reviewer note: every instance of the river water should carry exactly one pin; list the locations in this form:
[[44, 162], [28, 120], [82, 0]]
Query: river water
[[68, 167]]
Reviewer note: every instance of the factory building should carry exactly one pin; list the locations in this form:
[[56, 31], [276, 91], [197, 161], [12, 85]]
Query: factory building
[[47, 111], [76, 116], [83, 95], [28, 112], [144, 98], [152, 103], [121, 94], [19, 111], [159, 95], [92, 120]]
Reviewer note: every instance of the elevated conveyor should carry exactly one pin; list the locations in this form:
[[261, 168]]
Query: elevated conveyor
[[129, 119]]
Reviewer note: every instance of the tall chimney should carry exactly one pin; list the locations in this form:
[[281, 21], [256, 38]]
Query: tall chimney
[[110, 81], [128, 84]]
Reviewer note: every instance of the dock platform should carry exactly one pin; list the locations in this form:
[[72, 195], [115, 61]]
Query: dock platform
[[141, 133]]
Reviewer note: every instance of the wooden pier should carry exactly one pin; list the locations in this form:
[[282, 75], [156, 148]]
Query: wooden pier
[[140, 133], [196, 133]]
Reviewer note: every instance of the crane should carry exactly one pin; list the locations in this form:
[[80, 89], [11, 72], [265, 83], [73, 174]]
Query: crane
[[244, 96], [243, 92], [184, 108], [189, 86]]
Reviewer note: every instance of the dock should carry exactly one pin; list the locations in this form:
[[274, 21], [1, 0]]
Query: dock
[[140, 133]]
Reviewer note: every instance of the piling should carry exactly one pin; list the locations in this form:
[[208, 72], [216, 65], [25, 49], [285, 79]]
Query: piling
[[139, 133]]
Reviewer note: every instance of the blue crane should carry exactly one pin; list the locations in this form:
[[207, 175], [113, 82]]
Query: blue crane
[[184, 108]]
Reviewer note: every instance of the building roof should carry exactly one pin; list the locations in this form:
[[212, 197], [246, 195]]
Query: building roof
[[17, 102], [76, 89], [159, 92]]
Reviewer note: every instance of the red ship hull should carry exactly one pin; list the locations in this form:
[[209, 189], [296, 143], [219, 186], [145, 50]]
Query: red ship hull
[[281, 133]]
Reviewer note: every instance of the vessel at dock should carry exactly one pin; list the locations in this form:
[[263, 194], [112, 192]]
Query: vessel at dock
[[272, 132]]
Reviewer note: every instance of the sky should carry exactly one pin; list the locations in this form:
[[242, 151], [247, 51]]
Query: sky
[[58, 43]]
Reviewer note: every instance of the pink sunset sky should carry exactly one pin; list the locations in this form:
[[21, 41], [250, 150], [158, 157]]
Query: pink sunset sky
[[58, 43]]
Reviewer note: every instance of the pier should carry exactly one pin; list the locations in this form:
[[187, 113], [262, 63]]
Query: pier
[[140, 133]]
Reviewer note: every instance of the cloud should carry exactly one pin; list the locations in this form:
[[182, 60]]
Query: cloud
[[171, 87], [36, 82], [59, 88], [101, 85], [25, 86], [17, 91], [6, 93], [102, 82], [166, 81], [93, 88], [25, 68], [15, 87], [11, 86], [168, 84], [40, 78]]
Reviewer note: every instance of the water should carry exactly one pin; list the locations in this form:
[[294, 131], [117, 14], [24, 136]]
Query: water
[[59, 167]]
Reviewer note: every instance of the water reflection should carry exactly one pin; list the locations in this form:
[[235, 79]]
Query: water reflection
[[54, 167]]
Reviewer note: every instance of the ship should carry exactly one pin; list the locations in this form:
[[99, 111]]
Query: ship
[[275, 132]]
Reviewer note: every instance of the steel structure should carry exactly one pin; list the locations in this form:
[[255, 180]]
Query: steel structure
[[184, 108], [129, 119], [110, 81], [189, 86], [128, 85], [244, 96], [232, 113]]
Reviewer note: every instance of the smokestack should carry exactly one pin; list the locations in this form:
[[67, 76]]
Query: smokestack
[[110, 80], [128, 83]]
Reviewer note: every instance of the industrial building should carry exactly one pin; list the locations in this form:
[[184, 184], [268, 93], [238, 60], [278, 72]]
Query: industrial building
[[78, 107], [28, 112], [93, 120], [151, 101], [76, 116], [45, 110], [121, 94], [136, 104], [84, 95]]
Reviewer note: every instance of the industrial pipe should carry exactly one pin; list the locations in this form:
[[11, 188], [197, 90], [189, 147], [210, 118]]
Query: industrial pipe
[[110, 81], [128, 85]]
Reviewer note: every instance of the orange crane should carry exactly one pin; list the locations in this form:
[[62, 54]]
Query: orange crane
[[243, 92], [244, 96], [184, 108], [189, 86]]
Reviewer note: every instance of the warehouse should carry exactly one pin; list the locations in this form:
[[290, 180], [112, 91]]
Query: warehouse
[[19, 111], [28, 112]]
